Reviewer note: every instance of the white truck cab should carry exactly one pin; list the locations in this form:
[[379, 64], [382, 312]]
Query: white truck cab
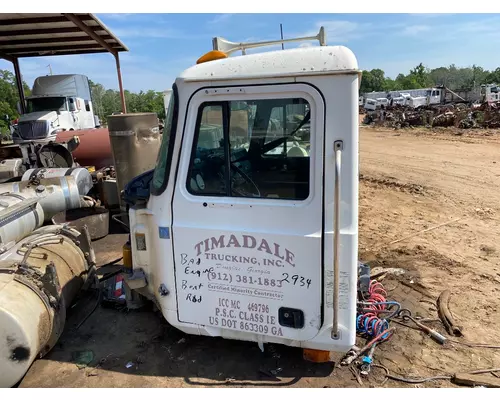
[[434, 96], [371, 104], [382, 101], [250, 231], [490, 93], [419, 101], [57, 103]]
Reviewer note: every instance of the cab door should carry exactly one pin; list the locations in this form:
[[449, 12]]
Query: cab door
[[247, 212]]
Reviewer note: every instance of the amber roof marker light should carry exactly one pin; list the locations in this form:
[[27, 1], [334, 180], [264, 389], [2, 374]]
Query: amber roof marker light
[[211, 56]]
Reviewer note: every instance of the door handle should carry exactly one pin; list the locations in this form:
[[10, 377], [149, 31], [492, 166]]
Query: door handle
[[338, 146]]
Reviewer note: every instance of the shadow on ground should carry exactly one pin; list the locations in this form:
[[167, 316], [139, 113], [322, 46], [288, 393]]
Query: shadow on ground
[[145, 342]]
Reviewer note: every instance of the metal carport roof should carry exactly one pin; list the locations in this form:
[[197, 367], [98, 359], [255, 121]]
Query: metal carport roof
[[35, 35]]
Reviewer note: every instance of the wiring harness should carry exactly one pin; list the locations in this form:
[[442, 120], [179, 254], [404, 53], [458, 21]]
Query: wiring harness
[[373, 318], [369, 321], [374, 313]]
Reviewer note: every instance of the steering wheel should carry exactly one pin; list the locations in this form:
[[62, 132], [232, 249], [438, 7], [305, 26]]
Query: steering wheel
[[248, 180]]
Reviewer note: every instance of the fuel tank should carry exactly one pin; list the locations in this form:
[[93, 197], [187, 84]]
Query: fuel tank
[[47, 278], [19, 216], [81, 175], [54, 194], [94, 148]]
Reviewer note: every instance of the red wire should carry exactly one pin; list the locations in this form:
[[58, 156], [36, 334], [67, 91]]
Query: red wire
[[377, 294], [378, 339]]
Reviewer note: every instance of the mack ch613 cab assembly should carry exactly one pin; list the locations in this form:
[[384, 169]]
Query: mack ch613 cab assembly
[[249, 228], [245, 227]]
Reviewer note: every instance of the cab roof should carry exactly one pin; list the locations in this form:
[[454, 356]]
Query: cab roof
[[281, 63]]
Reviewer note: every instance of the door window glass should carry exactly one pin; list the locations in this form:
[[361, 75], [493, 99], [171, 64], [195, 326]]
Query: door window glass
[[255, 148]]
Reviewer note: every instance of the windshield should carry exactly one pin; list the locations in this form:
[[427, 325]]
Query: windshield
[[162, 169], [47, 104]]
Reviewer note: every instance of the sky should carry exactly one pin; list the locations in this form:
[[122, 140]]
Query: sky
[[161, 46]]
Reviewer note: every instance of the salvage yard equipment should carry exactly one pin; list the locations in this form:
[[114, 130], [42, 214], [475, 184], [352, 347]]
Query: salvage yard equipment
[[247, 227]]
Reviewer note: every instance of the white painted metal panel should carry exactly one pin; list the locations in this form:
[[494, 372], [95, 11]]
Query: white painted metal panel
[[62, 85], [238, 260], [276, 64]]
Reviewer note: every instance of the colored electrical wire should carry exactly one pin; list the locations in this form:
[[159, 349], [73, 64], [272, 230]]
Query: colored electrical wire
[[371, 325], [382, 337], [368, 321], [370, 308]]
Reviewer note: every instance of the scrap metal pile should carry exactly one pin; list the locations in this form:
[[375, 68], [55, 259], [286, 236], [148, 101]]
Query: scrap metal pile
[[51, 209], [463, 116]]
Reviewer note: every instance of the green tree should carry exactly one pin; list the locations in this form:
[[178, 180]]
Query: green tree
[[391, 84], [373, 81], [493, 76], [366, 82], [440, 76], [107, 102], [420, 75], [97, 92], [478, 75], [378, 77], [9, 98]]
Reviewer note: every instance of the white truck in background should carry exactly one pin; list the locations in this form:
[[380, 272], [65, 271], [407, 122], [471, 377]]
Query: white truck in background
[[403, 99], [372, 104], [57, 103], [439, 95]]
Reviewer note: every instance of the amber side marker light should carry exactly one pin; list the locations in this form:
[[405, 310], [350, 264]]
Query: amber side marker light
[[211, 56], [127, 255], [316, 356]]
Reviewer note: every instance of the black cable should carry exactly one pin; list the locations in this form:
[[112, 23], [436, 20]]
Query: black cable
[[110, 275], [92, 271], [110, 263], [98, 301], [428, 379]]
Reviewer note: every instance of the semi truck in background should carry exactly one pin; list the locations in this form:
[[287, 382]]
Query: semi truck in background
[[57, 103]]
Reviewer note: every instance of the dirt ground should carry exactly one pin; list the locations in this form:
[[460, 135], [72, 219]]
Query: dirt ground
[[410, 181]]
